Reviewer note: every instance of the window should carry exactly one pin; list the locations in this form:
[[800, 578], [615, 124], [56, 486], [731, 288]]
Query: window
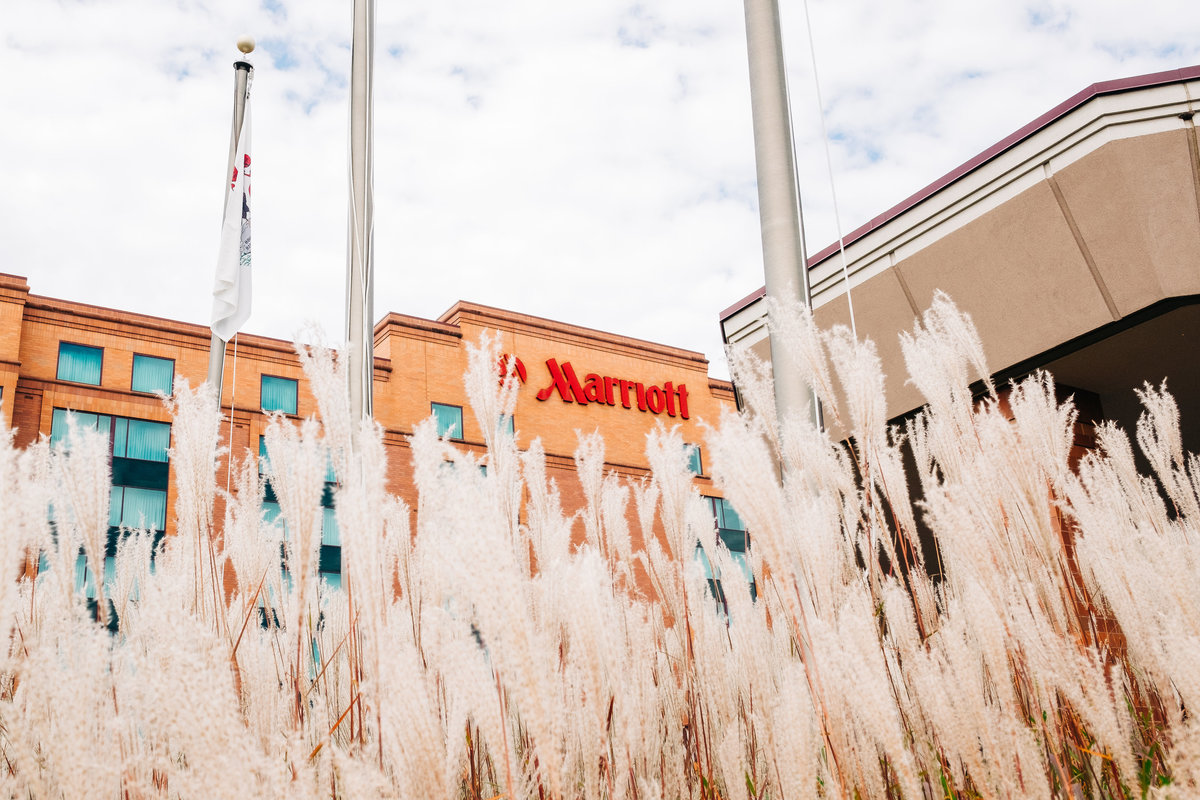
[[330, 565], [79, 363], [264, 462], [693, 456], [139, 451], [151, 374], [278, 394], [137, 508], [732, 533], [128, 439], [449, 420], [136, 439]]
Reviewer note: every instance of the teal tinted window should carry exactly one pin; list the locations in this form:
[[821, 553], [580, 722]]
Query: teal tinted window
[[449, 420], [146, 440], [152, 374], [693, 455], [330, 562], [329, 528], [278, 394], [725, 515], [138, 508], [120, 437], [83, 420], [732, 533], [79, 363], [506, 425], [272, 516], [85, 579]]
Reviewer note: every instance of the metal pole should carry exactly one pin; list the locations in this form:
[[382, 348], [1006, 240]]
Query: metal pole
[[241, 76], [360, 275], [785, 263]]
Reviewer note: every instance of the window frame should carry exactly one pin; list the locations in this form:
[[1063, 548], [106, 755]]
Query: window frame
[[690, 449], [461, 437], [169, 391], [58, 363], [295, 383]]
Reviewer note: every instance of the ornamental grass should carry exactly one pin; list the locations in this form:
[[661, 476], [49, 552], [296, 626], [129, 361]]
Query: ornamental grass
[[990, 621]]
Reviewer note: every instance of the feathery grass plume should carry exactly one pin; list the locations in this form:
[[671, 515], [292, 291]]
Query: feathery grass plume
[[79, 468], [325, 369], [250, 546], [589, 465], [25, 493], [298, 464], [879, 462], [942, 354], [1132, 552], [60, 721], [614, 504], [195, 735], [548, 529], [805, 346], [195, 433], [1159, 438], [491, 386], [135, 551], [477, 548], [752, 377], [413, 734]]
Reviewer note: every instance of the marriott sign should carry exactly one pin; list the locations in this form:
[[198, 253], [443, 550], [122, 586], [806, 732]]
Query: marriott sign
[[605, 390]]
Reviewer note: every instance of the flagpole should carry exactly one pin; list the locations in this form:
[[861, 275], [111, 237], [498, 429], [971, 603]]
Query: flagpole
[[360, 275], [785, 263], [241, 78]]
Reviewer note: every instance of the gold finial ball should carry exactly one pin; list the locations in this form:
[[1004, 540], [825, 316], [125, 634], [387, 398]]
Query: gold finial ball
[[246, 44]]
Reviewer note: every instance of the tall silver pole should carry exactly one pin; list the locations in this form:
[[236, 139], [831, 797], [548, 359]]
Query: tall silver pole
[[241, 76], [785, 263], [360, 274]]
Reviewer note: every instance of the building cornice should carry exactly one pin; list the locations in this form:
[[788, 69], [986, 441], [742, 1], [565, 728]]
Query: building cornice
[[514, 322]]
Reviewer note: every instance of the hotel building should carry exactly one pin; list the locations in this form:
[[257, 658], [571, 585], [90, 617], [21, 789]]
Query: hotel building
[[108, 366]]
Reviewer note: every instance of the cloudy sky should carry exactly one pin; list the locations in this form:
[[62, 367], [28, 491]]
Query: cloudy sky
[[589, 161]]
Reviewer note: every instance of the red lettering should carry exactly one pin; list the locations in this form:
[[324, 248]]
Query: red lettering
[[512, 363], [669, 393], [593, 389], [654, 399], [564, 382], [625, 387]]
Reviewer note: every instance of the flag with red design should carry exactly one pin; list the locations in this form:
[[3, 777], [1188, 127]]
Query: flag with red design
[[231, 289]]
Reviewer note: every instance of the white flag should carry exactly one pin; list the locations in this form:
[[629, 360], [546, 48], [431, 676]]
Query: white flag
[[231, 289]]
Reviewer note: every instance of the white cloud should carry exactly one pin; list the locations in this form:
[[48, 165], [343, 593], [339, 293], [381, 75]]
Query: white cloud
[[583, 161]]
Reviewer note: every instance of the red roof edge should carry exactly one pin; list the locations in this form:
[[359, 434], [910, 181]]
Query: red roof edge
[[1062, 109], [745, 301]]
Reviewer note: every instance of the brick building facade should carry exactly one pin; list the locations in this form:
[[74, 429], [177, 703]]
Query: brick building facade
[[107, 365]]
